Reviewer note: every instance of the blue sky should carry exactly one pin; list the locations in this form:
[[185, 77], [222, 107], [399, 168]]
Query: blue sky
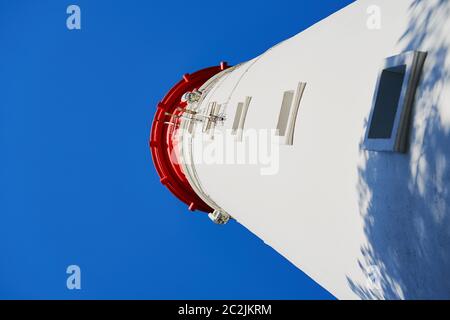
[[77, 182]]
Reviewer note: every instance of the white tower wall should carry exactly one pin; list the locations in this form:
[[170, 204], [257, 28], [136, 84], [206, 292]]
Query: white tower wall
[[340, 213]]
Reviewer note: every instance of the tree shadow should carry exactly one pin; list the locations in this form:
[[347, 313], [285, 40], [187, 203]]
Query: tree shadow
[[405, 198]]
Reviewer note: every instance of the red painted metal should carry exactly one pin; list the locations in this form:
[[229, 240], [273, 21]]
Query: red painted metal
[[163, 138]]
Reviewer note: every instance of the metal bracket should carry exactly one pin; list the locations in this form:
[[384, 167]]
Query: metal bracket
[[212, 116]]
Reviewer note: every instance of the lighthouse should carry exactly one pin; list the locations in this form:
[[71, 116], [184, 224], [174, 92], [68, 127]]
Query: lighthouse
[[333, 147]]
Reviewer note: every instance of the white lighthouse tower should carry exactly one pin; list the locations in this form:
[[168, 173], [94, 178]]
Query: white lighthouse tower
[[333, 147]]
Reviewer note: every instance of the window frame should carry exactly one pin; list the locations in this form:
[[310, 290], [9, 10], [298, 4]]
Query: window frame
[[414, 61]]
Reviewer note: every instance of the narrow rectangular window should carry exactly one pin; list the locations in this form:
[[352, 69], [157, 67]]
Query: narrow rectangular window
[[386, 104], [283, 118], [288, 113], [237, 117], [241, 124], [293, 113]]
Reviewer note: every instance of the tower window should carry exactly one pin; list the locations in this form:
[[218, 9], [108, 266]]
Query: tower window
[[386, 104], [392, 102], [239, 118], [283, 118], [288, 113]]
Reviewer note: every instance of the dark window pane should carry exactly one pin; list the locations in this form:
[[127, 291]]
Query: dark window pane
[[386, 105]]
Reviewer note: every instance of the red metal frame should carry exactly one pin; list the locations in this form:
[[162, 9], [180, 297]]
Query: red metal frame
[[163, 138]]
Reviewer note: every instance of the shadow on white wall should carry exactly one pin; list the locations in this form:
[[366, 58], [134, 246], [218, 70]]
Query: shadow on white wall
[[405, 198]]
